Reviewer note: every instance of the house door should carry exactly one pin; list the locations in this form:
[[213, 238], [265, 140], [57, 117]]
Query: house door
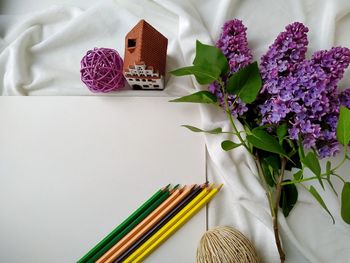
[[137, 87]]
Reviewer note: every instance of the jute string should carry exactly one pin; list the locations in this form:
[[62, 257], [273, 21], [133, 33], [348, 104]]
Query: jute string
[[225, 245]]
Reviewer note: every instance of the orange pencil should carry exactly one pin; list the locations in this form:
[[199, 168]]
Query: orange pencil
[[120, 247]]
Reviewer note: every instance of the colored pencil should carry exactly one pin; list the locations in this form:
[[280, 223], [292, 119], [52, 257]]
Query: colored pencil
[[124, 224], [159, 239], [194, 192], [145, 225], [141, 225], [130, 226], [167, 226]]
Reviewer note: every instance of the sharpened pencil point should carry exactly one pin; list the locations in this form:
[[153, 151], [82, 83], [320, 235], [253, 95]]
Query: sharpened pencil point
[[166, 187], [210, 186]]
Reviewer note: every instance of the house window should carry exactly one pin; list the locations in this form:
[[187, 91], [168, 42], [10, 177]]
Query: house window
[[137, 79], [130, 79], [145, 86], [156, 86], [143, 80], [131, 43]]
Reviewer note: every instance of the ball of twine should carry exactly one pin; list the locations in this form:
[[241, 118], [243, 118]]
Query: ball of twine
[[225, 245], [102, 70]]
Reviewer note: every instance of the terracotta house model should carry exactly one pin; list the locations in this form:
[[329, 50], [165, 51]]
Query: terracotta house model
[[145, 57]]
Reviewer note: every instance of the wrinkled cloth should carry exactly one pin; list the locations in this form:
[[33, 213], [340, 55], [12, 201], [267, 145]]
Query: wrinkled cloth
[[40, 53]]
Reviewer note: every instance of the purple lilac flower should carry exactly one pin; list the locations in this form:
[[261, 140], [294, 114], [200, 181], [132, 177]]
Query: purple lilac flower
[[303, 92], [288, 49], [329, 145], [344, 98], [237, 108], [333, 62], [233, 43], [329, 149]]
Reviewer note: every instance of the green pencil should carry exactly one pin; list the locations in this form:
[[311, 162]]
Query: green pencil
[[124, 224], [126, 230]]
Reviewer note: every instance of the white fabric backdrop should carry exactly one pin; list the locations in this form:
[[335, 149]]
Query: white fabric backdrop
[[41, 45]]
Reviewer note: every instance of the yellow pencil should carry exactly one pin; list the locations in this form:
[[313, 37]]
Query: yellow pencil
[[177, 225], [161, 231], [165, 232]]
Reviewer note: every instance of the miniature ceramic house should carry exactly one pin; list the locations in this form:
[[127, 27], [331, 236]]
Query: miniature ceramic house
[[145, 57]]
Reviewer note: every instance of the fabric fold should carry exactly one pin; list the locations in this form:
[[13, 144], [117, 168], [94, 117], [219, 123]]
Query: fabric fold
[[40, 55]]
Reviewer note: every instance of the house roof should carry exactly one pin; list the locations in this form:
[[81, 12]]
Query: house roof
[[145, 44]]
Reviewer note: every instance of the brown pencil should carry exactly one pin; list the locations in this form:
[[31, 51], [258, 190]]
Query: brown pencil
[[170, 199], [118, 249]]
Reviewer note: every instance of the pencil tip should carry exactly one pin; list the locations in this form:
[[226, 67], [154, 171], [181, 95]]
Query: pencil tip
[[220, 186], [210, 186]]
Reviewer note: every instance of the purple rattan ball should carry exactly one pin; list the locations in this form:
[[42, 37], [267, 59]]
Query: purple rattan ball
[[102, 70]]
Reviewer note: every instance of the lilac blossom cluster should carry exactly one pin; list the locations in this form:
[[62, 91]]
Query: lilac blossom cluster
[[234, 45], [303, 93]]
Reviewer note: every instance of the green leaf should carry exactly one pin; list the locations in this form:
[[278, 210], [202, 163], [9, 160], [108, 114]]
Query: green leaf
[[281, 131], [274, 162], [300, 148], [210, 55], [291, 144], [298, 175], [345, 203], [229, 145], [268, 175], [270, 167], [328, 168], [319, 199], [245, 83], [205, 74], [264, 141], [195, 129], [247, 129], [198, 97], [328, 174], [294, 162], [331, 185], [311, 161], [343, 126], [208, 64], [289, 197]]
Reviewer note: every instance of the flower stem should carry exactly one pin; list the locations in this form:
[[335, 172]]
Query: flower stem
[[275, 208], [343, 160], [323, 176], [272, 203], [228, 113], [265, 185]]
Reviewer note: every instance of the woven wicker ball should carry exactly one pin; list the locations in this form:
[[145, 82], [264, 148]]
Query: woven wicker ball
[[102, 70], [225, 245]]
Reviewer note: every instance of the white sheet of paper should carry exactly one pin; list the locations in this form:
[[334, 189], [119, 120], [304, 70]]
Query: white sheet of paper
[[72, 168]]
